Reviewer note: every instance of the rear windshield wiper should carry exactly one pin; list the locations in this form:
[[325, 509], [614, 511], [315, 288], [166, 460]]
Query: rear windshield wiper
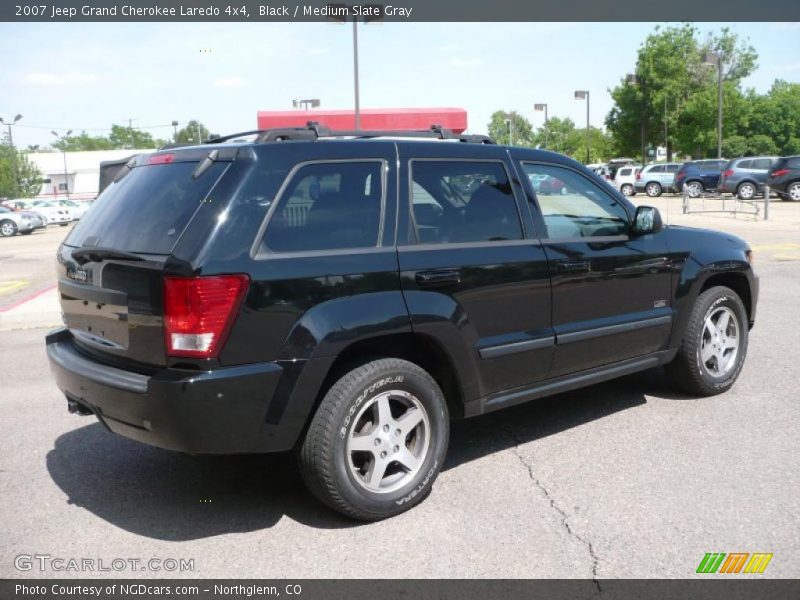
[[95, 254]]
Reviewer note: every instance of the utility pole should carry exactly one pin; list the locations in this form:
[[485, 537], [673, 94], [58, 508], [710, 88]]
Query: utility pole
[[715, 58], [546, 124], [355, 75], [584, 95], [9, 123], [174, 131], [64, 155], [197, 127]]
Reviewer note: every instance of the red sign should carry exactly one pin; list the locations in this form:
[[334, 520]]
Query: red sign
[[401, 119]]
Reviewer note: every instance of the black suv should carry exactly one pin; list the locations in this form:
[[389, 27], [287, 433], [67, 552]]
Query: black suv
[[346, 294], [784, 178]]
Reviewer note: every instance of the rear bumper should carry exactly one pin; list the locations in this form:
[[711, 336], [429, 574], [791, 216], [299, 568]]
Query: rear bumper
[[216, 412]]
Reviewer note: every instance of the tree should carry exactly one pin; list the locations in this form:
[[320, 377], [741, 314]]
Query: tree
[[520, 127], [83, 142], [132, 138], [674, 85], [19, 177], [194, 133]]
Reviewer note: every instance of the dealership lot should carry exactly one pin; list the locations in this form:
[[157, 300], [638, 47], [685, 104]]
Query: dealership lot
[[625, 479]]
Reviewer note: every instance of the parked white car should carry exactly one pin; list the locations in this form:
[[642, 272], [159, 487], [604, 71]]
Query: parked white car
[[53, 212], [76, 209], [625, 179]]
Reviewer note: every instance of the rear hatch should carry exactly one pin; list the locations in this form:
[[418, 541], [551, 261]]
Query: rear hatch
[[111, 266]]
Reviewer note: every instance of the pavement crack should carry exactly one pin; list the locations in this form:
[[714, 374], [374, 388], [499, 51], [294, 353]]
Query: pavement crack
[[564, 517]]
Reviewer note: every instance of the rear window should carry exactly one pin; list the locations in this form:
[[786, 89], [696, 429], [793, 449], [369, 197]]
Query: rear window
[[147, 210]]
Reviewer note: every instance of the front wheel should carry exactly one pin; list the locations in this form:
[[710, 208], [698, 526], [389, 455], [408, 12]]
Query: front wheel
[[627, 189], [793, 192], [695, 188], [714, 344], [377, 441]]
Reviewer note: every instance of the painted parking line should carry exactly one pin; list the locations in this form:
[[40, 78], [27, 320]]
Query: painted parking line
[[6, 287], [787, 251]]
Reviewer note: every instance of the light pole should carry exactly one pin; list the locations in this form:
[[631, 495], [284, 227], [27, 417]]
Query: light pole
[[11, 143], [64, 154], [510, 127], [540, 107], [584, 95], [174, 131], [312, 102], [632, 79], [715, 58], [340, 14]]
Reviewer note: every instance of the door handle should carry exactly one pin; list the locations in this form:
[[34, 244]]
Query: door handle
[[578, 266], [438, 277]]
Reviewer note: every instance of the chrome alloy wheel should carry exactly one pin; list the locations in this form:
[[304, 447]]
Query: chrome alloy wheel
[[794, 192], [388, 441], [719, 347], [695, 189]]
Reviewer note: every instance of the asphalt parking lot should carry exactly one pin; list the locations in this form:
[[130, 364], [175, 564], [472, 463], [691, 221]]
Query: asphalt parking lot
[[628, 479]]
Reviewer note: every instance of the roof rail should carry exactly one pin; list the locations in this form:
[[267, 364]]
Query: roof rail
[[314, 130]]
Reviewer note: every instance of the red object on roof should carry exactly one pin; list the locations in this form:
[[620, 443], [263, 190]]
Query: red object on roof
[[402, 119]]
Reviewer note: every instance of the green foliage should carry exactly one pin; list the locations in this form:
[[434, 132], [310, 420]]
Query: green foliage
[[189, 134], [674, 85], [83, 142], [520, 129], [19, 177], [132, 138], [734, 146]]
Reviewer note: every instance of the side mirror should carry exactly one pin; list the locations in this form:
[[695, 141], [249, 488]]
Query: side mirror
[[647, 220]]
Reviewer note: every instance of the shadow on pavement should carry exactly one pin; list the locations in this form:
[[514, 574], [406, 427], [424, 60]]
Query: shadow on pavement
[[171, 496]]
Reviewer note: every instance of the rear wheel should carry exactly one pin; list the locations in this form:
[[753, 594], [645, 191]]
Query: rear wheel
[[653, 189], [627, 189], [714, 344], [793, 192], [746, 191], [8, 228], [377, 441], [695, 188]]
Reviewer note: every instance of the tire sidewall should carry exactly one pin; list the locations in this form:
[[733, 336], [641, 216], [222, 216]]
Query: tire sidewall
[[13, 229], [656, 190], [744, 186], [414, 491], [725, 298]]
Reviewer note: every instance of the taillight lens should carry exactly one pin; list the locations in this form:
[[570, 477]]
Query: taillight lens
[[727, 172], [638, 176], [680, 175], [780, 173], [199, 311], [161, 159]]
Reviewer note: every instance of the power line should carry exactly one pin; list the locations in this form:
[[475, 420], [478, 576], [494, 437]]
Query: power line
[[51, 127]]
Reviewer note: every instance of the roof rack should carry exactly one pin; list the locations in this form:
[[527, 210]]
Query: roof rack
[[313, 130]]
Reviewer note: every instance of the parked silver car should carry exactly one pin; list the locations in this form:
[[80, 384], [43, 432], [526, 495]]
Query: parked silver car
[[23, 222], [656, 179]]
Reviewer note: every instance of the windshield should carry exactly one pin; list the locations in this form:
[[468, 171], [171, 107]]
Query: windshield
[[148, 210]]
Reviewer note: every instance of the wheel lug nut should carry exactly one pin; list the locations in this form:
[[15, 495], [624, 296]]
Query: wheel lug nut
[[386, 428], [397, 448], [383, 454], [377, 441], [397, 432]]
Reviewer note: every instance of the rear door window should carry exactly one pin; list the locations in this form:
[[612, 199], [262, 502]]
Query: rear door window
[[464, 201], [148, 209]]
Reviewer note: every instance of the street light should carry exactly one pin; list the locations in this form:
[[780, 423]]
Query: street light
[[584, 95], [174, 131], [510, 127], [11, 143], [632, 79], [540, 107], [339, 13], [715, 59], [312, 102], [64, 154]]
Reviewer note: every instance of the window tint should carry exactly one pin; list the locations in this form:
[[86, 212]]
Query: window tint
[[657, 169], [147, 210], [328, 206], [463, 201], [582, 209], [762, 163], [624, 172], [793, 162], [745, 164], [673, 168]]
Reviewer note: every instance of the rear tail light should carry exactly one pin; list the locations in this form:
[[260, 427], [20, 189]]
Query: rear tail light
[[780, 173], [727, 172], [680, 175], [160, 159], [638, 175], [199, 311]]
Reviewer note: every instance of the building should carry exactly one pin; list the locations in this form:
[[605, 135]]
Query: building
[[398, 119], [81, 175]]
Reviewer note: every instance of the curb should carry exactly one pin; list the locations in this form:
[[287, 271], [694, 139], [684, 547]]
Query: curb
[[23, 300]]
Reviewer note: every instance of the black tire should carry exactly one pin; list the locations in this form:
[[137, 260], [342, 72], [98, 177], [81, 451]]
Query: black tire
[[695, 188], [687, 370], [30, 231], [63, 224], [792, 192], [653, 189], [325, 463], [8, 228], [746, 191]]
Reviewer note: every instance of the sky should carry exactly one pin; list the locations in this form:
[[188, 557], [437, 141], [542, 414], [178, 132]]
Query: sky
[[86, 76]]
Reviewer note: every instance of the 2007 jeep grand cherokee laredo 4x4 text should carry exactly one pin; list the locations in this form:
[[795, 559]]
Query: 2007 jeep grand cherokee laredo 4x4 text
[[346, 294]]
